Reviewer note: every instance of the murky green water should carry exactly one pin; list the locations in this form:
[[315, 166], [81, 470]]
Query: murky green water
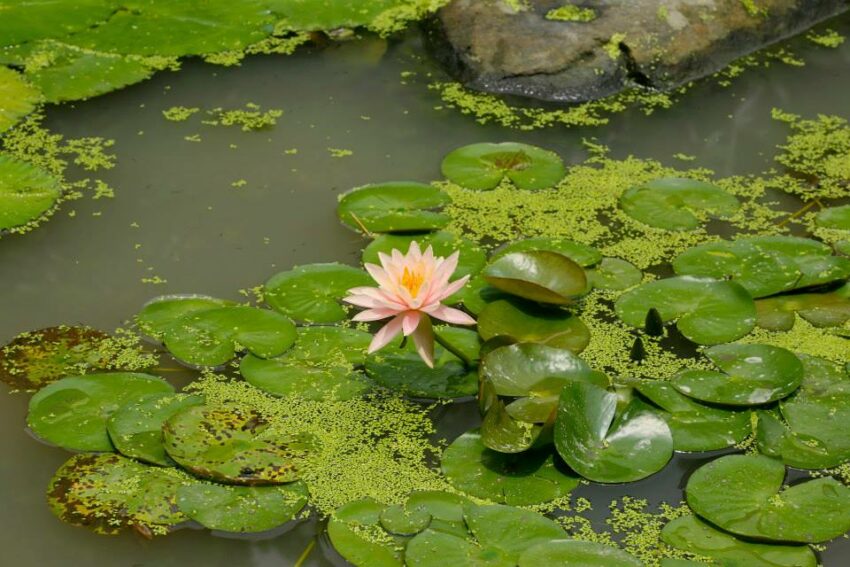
[[177, 216]]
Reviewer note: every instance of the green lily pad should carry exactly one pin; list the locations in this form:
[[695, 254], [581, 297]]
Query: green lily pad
[[743, 494], [313, 293], [677, 204], [476, 294], [347, 530], [537, 275], [400, 520], [470, 261], [695, 427], [604, 446], [527, 322], [402, 370], [614, 274], [160, 313], [834, 217], [706, 311], [73, 411], [502, 432], [575, 553], [107, 493], [318, 367], [750, 375], [533, 369], [26, 192], [690, 534], [582, 254], [401, 206], [483, 166], [517, 480], [17, 97], [813, 258], [316, 15], [136, 428], [26, 20], [242, 509], [827, 309], [226, 443], [211, 337]]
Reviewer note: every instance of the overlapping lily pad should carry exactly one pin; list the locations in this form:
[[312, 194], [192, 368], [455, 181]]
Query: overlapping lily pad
[[470, 261], [606, 445], [400, 206], [537, 275], [242, 509], [834, 217], [313, 293], [26, 192], [581, 254], [226, 443], [73, 411], [743, 494], [677, 204], [614, 274], [483, 166], [523, 321], [690, 534], [161, 312], [825, 309], [706, 311], [576, 553], [17, 97], [750, 375]]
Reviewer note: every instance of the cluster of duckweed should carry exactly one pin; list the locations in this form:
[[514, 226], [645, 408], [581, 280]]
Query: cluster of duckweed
[[340, 152], [281, 42], [571, 13], [639, 531], [827, 38], [804, 337], [252, 117], [180, 113]]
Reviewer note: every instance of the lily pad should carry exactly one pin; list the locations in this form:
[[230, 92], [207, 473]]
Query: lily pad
[[827, 309], [575, 553], [313, 293], [211, 337], [483, 166], [743, 494], [401, 206], [834, 217], [527, 369], [751, 375], [529, 478], [73, 411], [402, 370], [477, 293], [470, 260], [695, 426], [107, 493], [614, 274], [347, 529], [677, 204], [242, 509], [26, 20], [537, 275], [524, 321], [706, 311], [160, 313], [607, 446], [502, 432], [136, 428], [814, 259], [316, 15], [690, 534], [581, 254], [17, 97], [226, 443], [26, 192]]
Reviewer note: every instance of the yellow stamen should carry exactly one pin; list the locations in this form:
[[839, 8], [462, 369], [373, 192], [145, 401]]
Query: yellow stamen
[[412, 281]]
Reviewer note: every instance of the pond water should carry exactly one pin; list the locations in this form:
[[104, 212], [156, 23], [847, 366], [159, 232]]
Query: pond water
[[176, 215]]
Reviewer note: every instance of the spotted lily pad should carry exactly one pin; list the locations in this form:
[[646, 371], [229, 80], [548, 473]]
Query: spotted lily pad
[[743, 494], [706, 311], [394, 207], [695, 426], [524, 321], [161, 312], [537, 275], [242, 509], [26, 20], [211, 337], [750, 375], [108, 492], [17, 97], [470, 260], [576, 553], [26, 192], [690, 534], [528, 478], [826, 309], [604, 445], [483, 166], [226, 443], [136, 428], [581, 254], [313, 293], [73, 411], [677, 204]]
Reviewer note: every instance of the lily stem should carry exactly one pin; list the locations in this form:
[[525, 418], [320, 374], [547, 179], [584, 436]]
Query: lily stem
[[306, 553]]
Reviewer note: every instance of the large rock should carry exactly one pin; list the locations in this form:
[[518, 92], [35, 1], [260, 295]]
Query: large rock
[[490, 46]]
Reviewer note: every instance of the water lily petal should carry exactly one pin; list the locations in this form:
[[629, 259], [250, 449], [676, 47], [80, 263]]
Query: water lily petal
[[375, 314], [411, 321], [378, 274], [386, 334], [423, 340], [451, 289], [451, 315]]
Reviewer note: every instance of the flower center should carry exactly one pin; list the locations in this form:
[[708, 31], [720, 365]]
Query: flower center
[[412, 281]]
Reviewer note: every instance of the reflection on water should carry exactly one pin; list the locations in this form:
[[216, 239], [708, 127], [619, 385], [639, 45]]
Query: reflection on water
[[177, 216]]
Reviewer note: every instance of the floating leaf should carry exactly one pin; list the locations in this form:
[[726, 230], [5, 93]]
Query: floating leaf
[[603, 446], [706, 311], [394, 207], [526, 369], [348, 529], [529, 478], [524, 321], [751, 375], [17, 97], [73, 411], [743, 494], [160, 313], [537, 275], [26, 192], [829, 309], [581, 254], [501, 432], [136, 428], [834, 217], [26, 20], [313, 293], [813, 258], [242, 509], [477, 293], [575, 553], [226, 443], [677, 204], [483, 166], [614, 274], [323, 15], [690, 534], [470, 260]]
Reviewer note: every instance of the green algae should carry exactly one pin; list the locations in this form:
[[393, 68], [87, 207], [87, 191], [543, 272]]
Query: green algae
[[828, 38], [251, 117], [571, 13], [179, 113]]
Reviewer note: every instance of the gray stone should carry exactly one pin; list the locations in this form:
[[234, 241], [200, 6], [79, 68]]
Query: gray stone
[[490, 46]]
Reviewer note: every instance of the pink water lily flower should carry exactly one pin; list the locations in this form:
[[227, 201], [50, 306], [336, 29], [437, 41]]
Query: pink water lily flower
[[410, 289]]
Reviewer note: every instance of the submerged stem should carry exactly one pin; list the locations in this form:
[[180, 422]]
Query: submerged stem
[[306, 553]]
